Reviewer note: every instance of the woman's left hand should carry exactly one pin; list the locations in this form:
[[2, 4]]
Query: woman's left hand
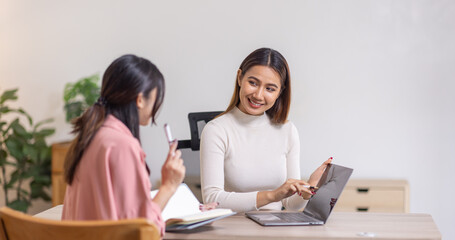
[[208, 206], [316, 175]]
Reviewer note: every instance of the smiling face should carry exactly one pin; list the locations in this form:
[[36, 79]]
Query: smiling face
[[259, 88]]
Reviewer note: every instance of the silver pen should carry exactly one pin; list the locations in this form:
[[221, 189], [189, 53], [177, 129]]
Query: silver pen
[[310, 187]]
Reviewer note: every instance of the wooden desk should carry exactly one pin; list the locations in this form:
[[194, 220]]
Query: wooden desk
[[341, 225]]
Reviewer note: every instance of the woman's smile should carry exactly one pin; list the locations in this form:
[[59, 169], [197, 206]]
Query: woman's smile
[[254, 104]]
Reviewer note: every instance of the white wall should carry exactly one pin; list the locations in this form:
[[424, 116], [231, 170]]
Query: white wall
[[373, 81]]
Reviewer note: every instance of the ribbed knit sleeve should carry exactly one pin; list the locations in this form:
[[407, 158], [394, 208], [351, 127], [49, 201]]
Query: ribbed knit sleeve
[[294, 202]]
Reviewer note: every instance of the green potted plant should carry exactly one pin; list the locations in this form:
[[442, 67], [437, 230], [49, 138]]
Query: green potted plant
[[25, 156], [80, 95]]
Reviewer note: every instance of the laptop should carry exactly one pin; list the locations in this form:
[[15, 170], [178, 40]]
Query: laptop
[[318, 208]]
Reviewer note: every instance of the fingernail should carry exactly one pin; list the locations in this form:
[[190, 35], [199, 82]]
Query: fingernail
[[331, 157], [217, 203]]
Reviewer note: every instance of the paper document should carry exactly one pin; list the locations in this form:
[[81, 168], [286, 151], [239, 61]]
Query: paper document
[[183, 209], [182, 203]]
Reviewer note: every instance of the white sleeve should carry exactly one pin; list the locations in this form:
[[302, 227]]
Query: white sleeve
[[214, 143], [295, 202]]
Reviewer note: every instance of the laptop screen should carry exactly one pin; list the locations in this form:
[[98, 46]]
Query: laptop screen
[[330, 185]]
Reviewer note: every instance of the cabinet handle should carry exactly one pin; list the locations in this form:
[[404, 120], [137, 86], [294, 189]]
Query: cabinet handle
[[362, 209], [363, 190]]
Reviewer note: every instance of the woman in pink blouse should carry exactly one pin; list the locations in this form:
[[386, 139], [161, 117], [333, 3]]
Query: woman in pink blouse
[[105, 167]]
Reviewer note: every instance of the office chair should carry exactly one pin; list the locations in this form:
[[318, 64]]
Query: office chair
[[16, 225], [197, 122]]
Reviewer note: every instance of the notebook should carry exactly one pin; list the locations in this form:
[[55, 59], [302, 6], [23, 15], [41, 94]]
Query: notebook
[[318, 208], [182, 211]]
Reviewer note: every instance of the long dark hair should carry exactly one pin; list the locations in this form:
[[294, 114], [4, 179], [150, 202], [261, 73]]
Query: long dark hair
[[123, 80], [279, 112]]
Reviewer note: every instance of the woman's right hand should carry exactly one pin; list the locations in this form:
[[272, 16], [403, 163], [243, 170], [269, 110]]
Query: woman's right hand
[[173, 170], [172, 174], [290, 187]]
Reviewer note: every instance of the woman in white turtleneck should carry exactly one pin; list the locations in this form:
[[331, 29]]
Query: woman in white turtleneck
[[250, 154]]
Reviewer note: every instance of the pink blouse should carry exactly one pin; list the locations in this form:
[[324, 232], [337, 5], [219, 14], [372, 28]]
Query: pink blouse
[[111, 181]]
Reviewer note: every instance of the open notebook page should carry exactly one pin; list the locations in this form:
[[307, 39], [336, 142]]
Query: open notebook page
[[181, 204]]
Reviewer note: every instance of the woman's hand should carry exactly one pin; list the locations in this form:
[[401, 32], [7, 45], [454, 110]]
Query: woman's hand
[[291, 187], [208, 206], [316, 175], [173, 170], [172, 174]]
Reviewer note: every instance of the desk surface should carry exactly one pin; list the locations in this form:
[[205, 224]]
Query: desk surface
[[339, 226]]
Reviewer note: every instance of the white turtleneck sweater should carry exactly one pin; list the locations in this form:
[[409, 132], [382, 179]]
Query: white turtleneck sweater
[[243, 154]]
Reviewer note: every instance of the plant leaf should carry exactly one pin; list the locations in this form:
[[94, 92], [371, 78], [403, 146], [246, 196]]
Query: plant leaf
[[20, 205], [31, 152], [29, 118], [14, 145], [73, 110], [13, 179], [68, 92], [19, 130], [42, 122], [3, 155], [37, 191], [11, 164], [24, 192], [44, 132], [8, 95], [4, 110], [45, 155]]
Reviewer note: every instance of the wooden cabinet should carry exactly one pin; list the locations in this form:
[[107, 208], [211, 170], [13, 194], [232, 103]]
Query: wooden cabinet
[[374, 195], [59, 151]]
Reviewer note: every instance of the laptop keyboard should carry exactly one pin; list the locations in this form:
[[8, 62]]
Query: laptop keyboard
[[294, 217]]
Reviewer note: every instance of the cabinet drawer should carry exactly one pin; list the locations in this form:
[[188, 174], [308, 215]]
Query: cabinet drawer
[[374, 196], [362, 208], [372, 200]]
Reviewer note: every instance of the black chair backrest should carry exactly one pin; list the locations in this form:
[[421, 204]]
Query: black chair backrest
[[197, 121]]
